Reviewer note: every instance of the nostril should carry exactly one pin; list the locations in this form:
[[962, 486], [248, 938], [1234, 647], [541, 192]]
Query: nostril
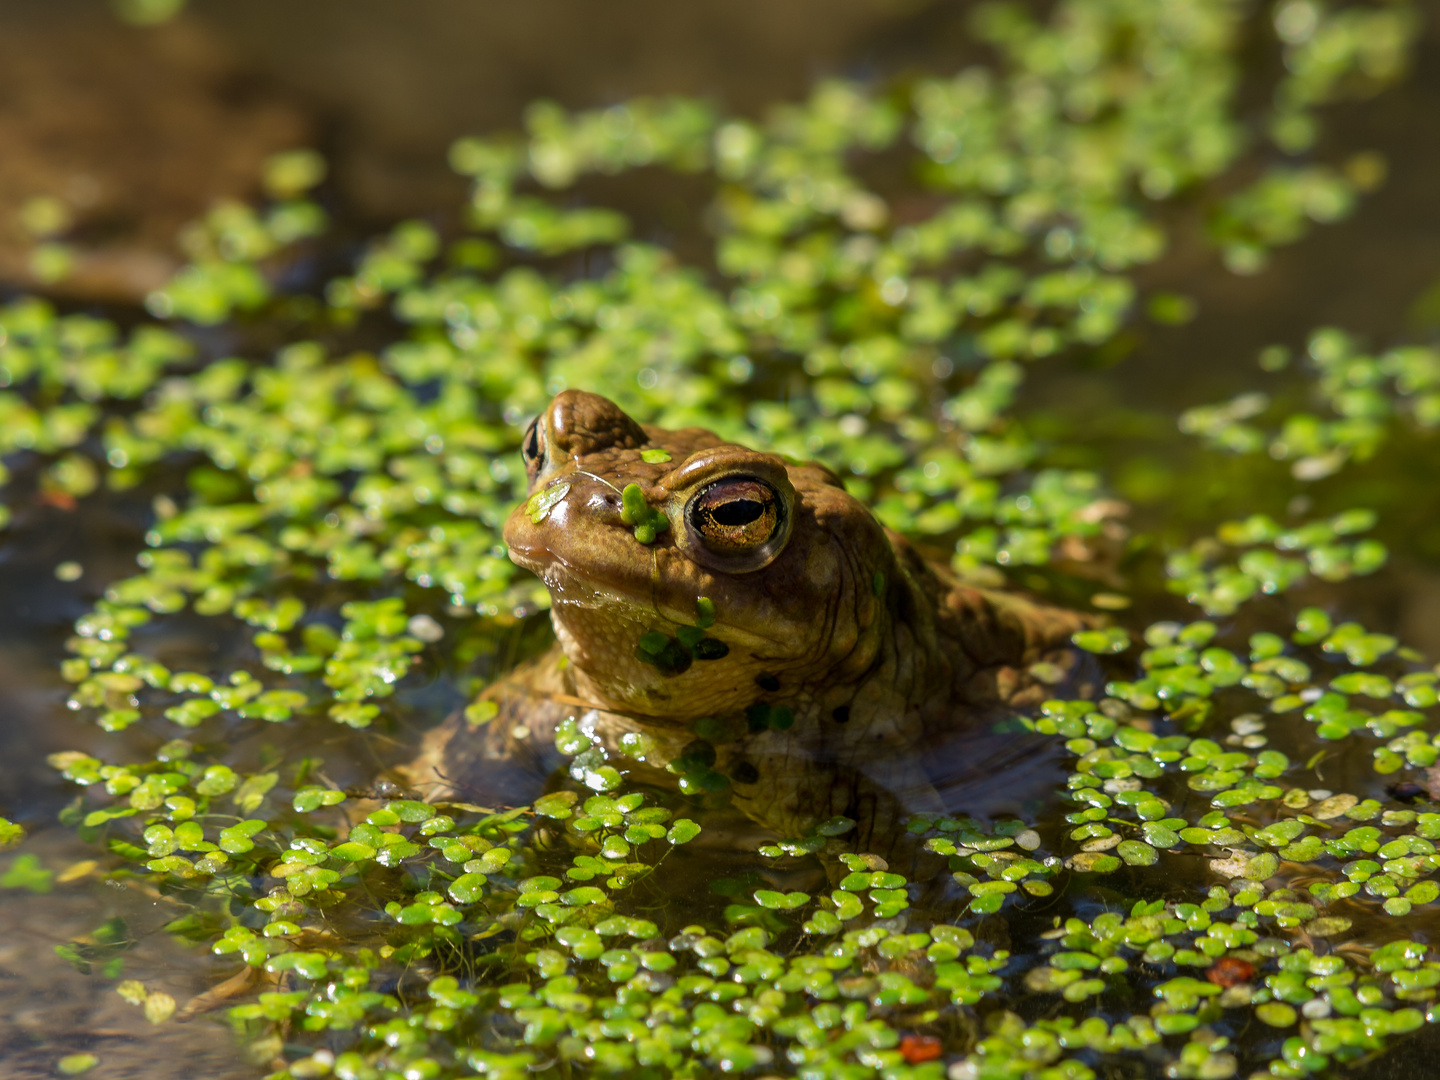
[[606, 504]]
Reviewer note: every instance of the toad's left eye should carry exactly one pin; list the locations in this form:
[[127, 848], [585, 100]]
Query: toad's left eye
[[736, 515], [532, 446]]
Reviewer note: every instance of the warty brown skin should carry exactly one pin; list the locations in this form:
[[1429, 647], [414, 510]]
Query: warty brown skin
[[881, 655]]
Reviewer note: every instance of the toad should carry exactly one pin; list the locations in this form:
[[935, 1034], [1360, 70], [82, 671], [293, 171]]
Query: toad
[[729, 619]]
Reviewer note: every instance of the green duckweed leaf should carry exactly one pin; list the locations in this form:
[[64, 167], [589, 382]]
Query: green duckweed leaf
[[781, 901], [545, 500], [682, 831], [1112, 639], [1276, 1014]]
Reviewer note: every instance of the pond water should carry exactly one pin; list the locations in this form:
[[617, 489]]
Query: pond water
[[487, 969]]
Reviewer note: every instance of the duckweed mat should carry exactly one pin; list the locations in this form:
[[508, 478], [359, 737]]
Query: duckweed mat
[[1237, 877]]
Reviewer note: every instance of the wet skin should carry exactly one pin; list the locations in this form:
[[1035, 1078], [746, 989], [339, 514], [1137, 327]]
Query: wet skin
[[881, 657]]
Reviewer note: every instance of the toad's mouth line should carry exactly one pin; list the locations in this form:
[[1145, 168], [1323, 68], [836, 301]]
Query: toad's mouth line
[[570, 587]]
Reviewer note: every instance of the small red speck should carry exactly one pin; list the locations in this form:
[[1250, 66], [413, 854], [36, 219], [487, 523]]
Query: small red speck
[[61, 500], [917, 1048], [1230, 971]]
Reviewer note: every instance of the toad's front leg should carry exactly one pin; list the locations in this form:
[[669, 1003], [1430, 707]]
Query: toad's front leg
[[506, 760]]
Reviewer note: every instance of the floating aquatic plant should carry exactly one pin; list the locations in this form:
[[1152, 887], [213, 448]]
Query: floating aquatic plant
[[340, 505]]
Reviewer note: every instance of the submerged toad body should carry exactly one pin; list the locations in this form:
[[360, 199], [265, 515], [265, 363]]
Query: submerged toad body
[[695, 583]]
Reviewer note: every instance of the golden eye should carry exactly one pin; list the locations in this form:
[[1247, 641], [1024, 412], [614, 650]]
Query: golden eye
[[736, 515]]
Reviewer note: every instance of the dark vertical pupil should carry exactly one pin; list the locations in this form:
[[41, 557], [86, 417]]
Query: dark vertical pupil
[[532, 441], [737, 512]]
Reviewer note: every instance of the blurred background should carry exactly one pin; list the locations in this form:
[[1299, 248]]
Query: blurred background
[[139, 128]]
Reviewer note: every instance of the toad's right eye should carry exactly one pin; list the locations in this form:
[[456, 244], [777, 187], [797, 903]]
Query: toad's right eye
[[533, 448], [736, 524], [736, 515]]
